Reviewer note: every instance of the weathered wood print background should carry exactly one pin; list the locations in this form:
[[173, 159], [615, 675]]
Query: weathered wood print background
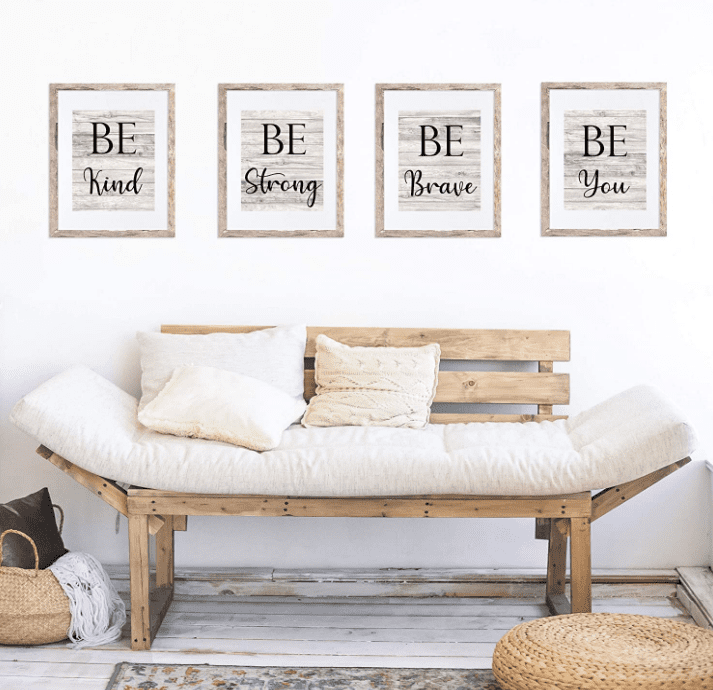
[[280, 180], [613, 176], [100, 180], [444, 170]]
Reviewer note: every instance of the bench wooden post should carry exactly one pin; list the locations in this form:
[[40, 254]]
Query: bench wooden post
[[556, 568], [164, 553], [581, 565], [139, 579]]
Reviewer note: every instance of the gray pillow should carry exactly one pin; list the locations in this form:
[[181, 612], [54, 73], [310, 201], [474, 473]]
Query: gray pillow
[[34, 516]]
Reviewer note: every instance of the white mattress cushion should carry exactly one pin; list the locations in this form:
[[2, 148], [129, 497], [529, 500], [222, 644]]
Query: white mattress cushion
[[274, 355], [92, 423]]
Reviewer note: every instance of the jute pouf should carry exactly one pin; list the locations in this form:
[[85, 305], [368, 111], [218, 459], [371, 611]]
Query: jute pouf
[[605, 651]]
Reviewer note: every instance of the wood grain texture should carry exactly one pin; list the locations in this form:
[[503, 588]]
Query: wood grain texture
[[110, 492], [223, 230], [428, 632], [148, 502], [456, 343], [625, 171], [556, 561], [380, 229], [451, 164], [581, 565], [302, 172], [697, 588], [468, 417], [489, 387], [55, 230], [608, 499], [545, 186], [139, 569], [125, 156], [165, 553]]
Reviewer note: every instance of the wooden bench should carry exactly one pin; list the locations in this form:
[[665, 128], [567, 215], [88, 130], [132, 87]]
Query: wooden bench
[[560, 519]]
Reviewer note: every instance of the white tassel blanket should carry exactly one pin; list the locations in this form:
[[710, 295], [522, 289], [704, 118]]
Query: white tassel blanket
[[98, 613]]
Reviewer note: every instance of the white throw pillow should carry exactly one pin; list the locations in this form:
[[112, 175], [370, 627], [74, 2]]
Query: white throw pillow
[[219, 405], [274, 355], [373, 386]]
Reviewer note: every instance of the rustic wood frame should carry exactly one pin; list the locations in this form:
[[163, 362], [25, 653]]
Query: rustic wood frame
[[546, 230], [223, 230], [562, 519], [170, 230], [379, 158]]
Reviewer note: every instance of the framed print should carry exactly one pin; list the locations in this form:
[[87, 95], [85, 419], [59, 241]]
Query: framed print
[[112, 165], [603, 159], [438, 160], [281, 160]]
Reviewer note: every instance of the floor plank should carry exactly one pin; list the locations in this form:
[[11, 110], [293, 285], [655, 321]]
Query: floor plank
[[386, 631]]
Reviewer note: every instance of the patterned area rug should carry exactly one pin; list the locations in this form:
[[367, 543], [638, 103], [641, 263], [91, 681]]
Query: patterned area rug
[[130, 676]]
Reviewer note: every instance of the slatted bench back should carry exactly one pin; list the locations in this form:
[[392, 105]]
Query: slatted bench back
[[542, 388]]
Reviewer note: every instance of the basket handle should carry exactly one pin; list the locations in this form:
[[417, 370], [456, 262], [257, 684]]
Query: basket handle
[[61, 516], [22, 534]]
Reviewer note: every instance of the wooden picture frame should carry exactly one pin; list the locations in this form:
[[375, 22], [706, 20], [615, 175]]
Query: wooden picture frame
[[438, 160], [297, 130], [603, 157], [112, 160]]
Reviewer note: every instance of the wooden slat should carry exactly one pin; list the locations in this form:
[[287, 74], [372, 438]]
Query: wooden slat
[[523, 388], [693, 608], [644, 578], [142, 501], [467, 418], [107, 490], [609, 499], [161, 599], [698, 586], [505, 345], [558, 604]]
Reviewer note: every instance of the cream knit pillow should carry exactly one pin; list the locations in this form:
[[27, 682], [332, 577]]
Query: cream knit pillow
[[373, 386], [218, 405]]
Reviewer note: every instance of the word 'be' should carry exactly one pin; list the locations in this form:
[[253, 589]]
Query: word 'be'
[[109, 186], [273, 145], [592, 184], [413, 178]]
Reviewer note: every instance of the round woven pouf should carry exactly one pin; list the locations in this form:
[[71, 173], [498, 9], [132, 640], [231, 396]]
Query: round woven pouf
[[604, 651]]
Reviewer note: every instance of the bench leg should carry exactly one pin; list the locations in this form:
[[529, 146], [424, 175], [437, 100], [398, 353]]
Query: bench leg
[[164, 553], [581, 565], [139, 580], [557, 568]]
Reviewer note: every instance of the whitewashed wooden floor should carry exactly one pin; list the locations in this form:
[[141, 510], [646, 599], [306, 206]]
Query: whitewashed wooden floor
[[380, 631]]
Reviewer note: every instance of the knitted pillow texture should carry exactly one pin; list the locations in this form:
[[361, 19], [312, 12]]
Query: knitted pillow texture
[[373, 386]]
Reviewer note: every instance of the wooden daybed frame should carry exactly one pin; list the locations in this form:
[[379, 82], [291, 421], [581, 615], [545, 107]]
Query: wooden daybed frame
[[559, 519]]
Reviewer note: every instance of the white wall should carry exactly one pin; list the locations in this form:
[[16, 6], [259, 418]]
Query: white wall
[[639, 309]]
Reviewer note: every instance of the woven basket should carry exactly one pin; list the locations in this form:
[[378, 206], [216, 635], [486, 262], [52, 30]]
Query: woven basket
[[605, 651], [33, 606]]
